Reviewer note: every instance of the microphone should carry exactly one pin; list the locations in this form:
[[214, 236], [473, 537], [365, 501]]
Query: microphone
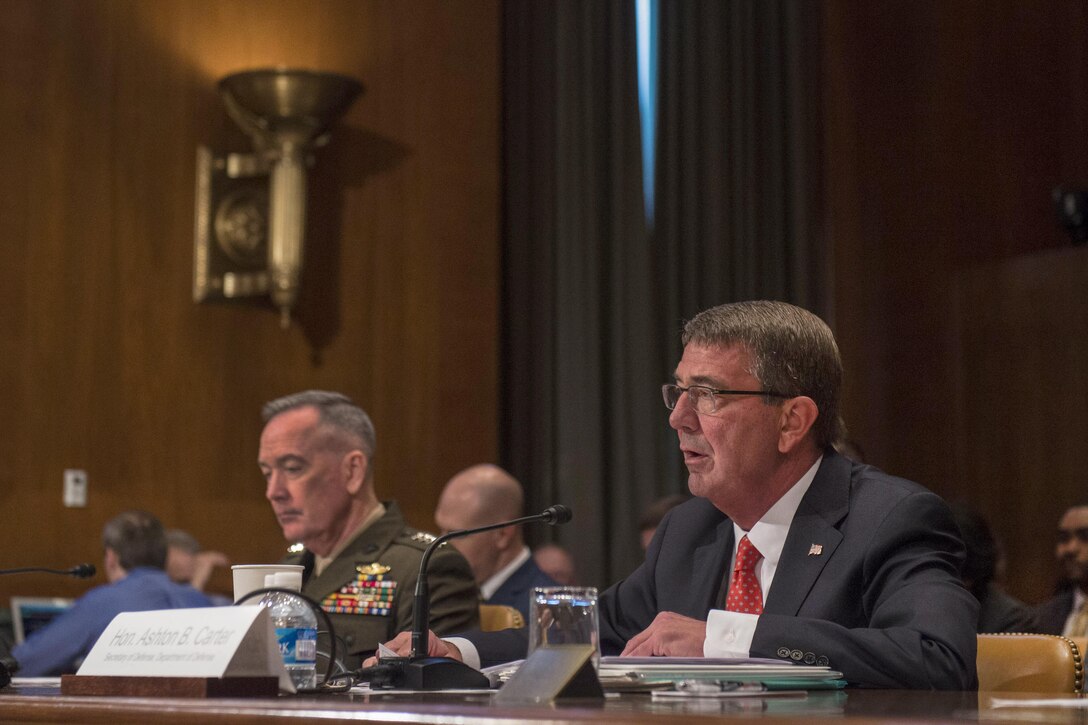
[[8, 666], [421, 672], [79, 571]]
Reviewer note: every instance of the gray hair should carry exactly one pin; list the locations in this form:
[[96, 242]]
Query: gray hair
[[183, 540], [793, 352], [334, 410], [138, 539]]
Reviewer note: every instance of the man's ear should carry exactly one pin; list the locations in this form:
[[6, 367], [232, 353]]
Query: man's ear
[[355, 468], [797, 418], [112, 565], [504, 537]]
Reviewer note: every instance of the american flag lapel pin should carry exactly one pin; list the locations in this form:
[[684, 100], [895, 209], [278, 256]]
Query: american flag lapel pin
[[815, 549]]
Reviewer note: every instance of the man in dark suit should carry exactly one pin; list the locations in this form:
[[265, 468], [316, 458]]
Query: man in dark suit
[[501, 562], [832, 562], [1067, 612]]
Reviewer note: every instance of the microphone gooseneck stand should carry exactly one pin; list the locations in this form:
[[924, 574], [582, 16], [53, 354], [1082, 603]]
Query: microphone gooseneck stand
[[420, 672]]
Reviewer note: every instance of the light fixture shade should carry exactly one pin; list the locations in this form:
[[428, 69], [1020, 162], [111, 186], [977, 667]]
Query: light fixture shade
[[287, 105]]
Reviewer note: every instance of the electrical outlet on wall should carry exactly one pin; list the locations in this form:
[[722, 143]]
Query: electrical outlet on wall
[[75, 488]]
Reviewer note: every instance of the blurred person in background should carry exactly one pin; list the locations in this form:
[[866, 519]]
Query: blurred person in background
[[188, 563], [134, 562], [651, 517], [998, 611], [1067, 612], [501, 562], [556, 562]]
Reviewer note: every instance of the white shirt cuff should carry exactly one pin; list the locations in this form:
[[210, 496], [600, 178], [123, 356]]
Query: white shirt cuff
[[469, 655], [728, 634]]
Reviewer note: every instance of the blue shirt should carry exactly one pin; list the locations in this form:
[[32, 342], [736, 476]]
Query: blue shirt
[[57, 648]]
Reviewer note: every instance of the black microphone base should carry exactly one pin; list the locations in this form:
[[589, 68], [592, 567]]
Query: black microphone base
[[430, 673]]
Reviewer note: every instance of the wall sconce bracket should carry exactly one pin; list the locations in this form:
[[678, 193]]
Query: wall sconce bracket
[[231, 242]]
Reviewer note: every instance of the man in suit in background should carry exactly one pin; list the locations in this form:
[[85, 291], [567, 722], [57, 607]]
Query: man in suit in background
[[134, 562], [1067, 612], [654, 513], [787, 549], [998, 611], [361, 559], [187, 562], [501, 562], [558, 563]]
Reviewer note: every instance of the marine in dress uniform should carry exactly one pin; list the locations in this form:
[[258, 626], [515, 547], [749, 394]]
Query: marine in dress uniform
[[368, 589], [361, 560]]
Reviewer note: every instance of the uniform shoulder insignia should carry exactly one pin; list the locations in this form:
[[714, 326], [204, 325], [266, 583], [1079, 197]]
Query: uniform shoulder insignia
[[415, 539], [296, 548]]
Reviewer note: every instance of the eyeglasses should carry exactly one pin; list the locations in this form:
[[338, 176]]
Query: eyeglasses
[[704, 399]]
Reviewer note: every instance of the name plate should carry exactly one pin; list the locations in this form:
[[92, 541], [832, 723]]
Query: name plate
[[205, 642]]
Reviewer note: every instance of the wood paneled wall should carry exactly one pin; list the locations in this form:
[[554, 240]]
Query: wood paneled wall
[[948, 125], [1022, 385], [105, 362]]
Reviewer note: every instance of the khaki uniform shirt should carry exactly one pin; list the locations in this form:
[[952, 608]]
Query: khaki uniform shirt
[[368, 589]]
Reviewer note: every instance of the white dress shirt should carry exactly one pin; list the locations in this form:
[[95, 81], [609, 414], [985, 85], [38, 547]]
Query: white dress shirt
[[1078, 602], [496, 580], [729, 634]]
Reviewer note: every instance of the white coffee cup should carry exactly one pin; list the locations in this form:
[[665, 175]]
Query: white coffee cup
[[250, 577]]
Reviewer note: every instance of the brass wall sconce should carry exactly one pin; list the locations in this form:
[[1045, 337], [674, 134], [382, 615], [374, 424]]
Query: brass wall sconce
[[251, 208]]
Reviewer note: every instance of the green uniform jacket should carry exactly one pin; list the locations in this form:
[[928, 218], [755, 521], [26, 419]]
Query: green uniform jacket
[[382, 563]]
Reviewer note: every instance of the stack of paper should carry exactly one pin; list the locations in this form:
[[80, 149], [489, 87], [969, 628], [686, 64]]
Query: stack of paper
[[623, 672]]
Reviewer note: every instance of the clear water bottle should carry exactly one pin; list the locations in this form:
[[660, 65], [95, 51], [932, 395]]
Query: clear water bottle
[[296, 630]]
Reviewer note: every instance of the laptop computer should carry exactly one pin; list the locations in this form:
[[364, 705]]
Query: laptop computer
[[29, 614]]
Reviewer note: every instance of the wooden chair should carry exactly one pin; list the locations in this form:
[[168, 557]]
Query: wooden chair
[[1029, 663], [494, 617]]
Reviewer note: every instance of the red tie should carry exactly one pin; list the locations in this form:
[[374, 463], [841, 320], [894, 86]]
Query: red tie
[[744, 592]]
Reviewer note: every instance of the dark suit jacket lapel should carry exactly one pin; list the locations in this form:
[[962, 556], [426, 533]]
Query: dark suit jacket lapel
[[813, 530], [713, 558]]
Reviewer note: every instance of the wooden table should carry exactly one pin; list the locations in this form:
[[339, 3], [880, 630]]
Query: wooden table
[[36, 704]]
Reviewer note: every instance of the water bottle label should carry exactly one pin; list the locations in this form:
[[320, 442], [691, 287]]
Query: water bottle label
[[298, 645]]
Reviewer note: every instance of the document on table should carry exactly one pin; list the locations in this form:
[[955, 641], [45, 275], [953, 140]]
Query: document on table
[[1062, 702], [773, 674], [656, 673]]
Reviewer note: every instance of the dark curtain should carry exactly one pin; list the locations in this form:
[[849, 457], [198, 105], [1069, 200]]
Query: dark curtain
[[594, 299]]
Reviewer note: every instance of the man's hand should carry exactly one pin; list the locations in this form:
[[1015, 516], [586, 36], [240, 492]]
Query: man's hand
[[669, 635], [206, 562], [402, 646]]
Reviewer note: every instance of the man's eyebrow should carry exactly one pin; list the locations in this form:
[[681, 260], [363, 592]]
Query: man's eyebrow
[[708, 382]]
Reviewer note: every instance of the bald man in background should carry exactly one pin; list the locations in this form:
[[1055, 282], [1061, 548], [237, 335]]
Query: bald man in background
[[501, 562]]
